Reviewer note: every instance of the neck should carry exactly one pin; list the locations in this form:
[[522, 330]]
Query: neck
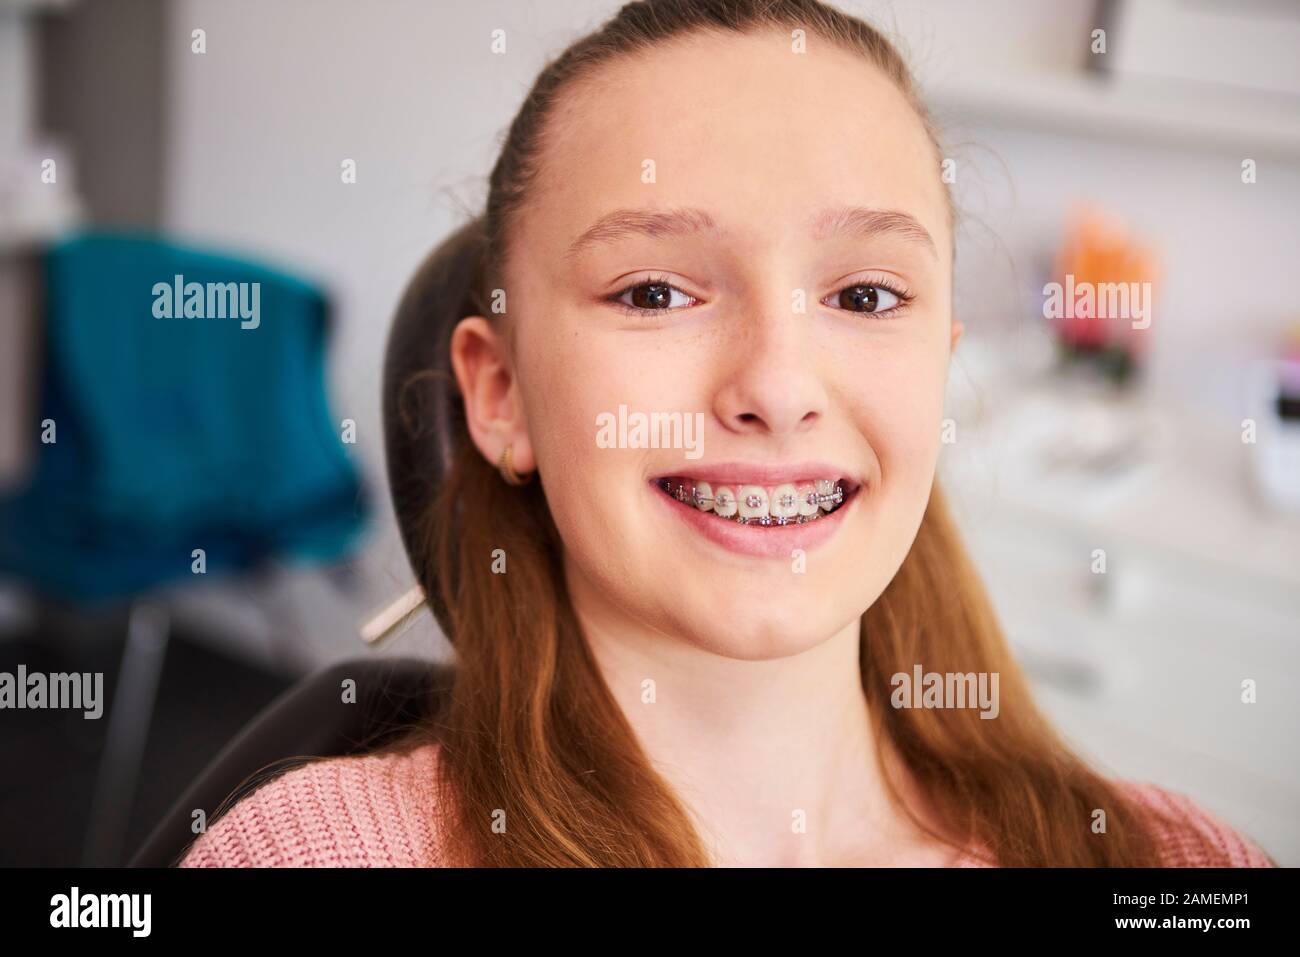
[[775, 759]]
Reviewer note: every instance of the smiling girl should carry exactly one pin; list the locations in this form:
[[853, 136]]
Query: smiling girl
[[732, 209]]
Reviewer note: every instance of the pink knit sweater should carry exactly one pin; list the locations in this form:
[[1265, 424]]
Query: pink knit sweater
[[378, 811]]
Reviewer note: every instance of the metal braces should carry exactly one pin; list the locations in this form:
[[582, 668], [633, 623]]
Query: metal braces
[[835, 497]]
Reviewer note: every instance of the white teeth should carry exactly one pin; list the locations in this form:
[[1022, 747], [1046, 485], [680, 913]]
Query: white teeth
[[825, 487], [803, 504], [703, 495], [753, 501], [782, 504], [724, 501]]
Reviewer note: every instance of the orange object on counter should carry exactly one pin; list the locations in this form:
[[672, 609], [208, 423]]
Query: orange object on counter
[[1107, 279]]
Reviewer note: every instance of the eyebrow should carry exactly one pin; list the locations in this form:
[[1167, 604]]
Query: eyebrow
[[865, 221], [825, 223]]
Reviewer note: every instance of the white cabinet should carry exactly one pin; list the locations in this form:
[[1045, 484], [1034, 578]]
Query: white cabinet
[[1142, 666]]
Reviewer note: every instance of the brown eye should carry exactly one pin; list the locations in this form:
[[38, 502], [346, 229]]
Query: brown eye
[[652, 296], [867, 298]]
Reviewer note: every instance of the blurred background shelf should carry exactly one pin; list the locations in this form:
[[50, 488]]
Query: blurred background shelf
[[1090, 104], [1141, 665]]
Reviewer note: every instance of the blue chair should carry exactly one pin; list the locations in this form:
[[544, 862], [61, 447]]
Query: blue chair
[[187, 436]]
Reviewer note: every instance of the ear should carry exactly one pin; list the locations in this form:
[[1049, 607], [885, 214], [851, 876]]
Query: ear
[[494, 412], [958, 327]]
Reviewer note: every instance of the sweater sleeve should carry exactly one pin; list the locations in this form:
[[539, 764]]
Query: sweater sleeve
[[1190, 836], [356, 811]]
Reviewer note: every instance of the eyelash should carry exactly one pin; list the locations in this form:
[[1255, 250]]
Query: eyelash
[[905, 296]]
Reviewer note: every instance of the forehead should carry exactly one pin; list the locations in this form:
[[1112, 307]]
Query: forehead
[[741, 126]]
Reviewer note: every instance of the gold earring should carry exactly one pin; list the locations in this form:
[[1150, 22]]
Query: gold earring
[[507, 468]]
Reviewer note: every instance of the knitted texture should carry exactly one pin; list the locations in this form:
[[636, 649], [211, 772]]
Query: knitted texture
[[380, 811], [356, 811]]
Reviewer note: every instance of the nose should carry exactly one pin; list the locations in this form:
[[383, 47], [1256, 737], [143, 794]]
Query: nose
[[770, 382]]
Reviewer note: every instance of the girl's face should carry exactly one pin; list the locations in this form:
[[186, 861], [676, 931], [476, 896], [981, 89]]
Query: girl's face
[[753, 241]]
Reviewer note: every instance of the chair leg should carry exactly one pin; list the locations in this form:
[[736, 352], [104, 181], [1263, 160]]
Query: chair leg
[[128, 730]]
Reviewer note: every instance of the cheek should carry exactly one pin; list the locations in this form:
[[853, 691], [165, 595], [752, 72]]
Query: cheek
[[588, 375], [573, 385], [895, 395]]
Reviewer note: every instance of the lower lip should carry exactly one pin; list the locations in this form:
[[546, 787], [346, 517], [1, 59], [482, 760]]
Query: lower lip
[[772, 541]]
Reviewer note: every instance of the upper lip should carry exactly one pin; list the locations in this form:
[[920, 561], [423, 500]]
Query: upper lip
[[760, 473]]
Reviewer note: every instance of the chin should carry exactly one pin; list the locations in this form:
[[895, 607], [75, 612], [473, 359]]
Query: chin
[[760, 634]]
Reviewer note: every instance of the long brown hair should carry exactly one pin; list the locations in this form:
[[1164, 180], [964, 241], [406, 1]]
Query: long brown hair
[[531, 736]]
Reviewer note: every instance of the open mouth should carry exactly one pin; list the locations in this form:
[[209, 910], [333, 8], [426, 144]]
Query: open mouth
[[765, 506]]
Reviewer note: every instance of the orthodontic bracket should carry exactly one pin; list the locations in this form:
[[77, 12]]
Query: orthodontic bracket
[[835, 497]]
